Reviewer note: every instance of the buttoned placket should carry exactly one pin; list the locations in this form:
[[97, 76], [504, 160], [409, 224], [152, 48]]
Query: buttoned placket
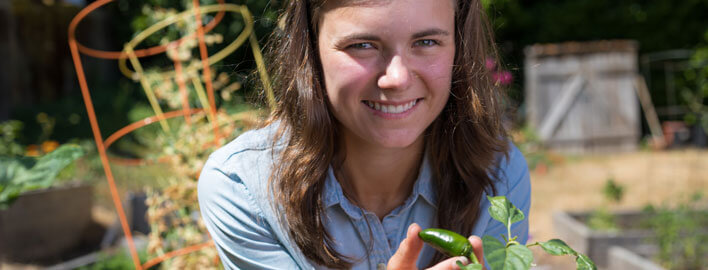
[[383, 236]]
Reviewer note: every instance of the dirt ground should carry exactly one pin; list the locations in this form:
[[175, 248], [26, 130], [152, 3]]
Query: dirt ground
[[575, 183]]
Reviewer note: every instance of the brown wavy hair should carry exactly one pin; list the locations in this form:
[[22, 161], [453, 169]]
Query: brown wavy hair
[[463, 143]]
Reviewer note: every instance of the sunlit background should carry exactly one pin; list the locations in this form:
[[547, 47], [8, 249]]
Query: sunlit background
[[608, 102]]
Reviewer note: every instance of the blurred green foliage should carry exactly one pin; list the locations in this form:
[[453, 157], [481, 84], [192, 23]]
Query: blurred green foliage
[[681, 232], [694, 90], [10, 132], [22, 174], [115, 261], [601, 218], [613, 191]]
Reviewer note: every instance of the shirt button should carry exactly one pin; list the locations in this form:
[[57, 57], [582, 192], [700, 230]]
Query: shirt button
[[381, 266]]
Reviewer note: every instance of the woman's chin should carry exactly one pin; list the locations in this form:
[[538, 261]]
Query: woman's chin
[[396, 142]]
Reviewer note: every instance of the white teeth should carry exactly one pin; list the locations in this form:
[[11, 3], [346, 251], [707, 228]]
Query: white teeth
[[391, 108]]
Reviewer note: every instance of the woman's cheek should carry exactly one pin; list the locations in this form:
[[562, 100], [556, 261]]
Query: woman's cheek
[[440, 75], [349, 79]]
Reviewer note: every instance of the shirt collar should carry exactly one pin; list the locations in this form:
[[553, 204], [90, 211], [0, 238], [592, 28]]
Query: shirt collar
[[423, 187]]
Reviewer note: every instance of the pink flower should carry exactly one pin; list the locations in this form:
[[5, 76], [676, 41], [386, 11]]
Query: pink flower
[[491, 64], [502, 77]]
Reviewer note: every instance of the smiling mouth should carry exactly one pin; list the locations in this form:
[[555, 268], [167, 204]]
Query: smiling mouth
[[389, 108]]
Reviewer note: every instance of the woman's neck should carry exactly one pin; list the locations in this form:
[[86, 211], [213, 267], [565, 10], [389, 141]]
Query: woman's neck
[[379, 179]]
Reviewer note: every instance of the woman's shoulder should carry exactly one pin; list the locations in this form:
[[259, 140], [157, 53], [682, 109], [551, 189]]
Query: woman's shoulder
[[250, 141], [514, 159], [238, 172], [247, 160], [236, 206], [512, 171]]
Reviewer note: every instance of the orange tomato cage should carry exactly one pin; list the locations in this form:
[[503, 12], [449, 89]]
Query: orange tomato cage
[[130, 54]]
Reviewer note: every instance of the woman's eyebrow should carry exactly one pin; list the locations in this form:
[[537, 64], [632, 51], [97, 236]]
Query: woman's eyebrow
[[372, 37], [430, 32], [360, 36]]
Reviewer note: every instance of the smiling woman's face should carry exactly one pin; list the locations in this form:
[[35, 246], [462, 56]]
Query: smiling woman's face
[[387, 67]]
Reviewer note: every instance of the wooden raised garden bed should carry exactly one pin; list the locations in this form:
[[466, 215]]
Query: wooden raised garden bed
[[43, 223], [632, 258], [572, 228]]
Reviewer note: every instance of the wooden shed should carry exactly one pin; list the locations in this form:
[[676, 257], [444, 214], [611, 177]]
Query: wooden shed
[[580, 96]]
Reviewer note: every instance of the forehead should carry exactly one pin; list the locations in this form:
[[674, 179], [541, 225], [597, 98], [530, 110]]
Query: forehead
[[328, 4], [371, 3], [393, 12]]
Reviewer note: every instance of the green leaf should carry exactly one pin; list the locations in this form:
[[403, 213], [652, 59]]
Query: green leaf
[[584, 263], [469, 266], [504, 211], [10, 167], [557, 247], [22, 174], [495, 252], [501, 257], [49, 165], [8, 195]]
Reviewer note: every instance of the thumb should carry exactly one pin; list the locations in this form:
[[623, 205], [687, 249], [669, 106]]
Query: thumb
[[477, 247], [407, 254]]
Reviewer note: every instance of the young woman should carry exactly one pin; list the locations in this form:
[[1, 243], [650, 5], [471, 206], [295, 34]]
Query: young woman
[[387, 123]]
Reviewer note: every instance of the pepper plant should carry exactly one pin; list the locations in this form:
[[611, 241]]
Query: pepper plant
[[510, 255]]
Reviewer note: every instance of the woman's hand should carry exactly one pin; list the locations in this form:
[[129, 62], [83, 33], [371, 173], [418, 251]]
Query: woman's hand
[[406, 256]]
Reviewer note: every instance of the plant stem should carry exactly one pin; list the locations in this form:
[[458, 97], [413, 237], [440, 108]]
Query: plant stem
[[508, 228], [512, 242], [473, 258]]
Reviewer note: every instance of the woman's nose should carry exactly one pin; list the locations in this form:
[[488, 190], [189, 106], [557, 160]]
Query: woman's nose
[[396, 76]]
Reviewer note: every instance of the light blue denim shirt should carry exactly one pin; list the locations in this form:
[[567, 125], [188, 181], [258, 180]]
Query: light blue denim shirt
[[237, 211]]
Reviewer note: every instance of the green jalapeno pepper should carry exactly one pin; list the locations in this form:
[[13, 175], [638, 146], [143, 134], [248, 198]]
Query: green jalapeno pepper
[[449, 243]]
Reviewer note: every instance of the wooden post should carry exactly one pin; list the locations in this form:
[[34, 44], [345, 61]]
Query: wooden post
[[649, 112]]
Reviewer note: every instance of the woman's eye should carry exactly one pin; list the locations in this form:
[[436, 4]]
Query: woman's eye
[[426, 43], [360, 46]]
